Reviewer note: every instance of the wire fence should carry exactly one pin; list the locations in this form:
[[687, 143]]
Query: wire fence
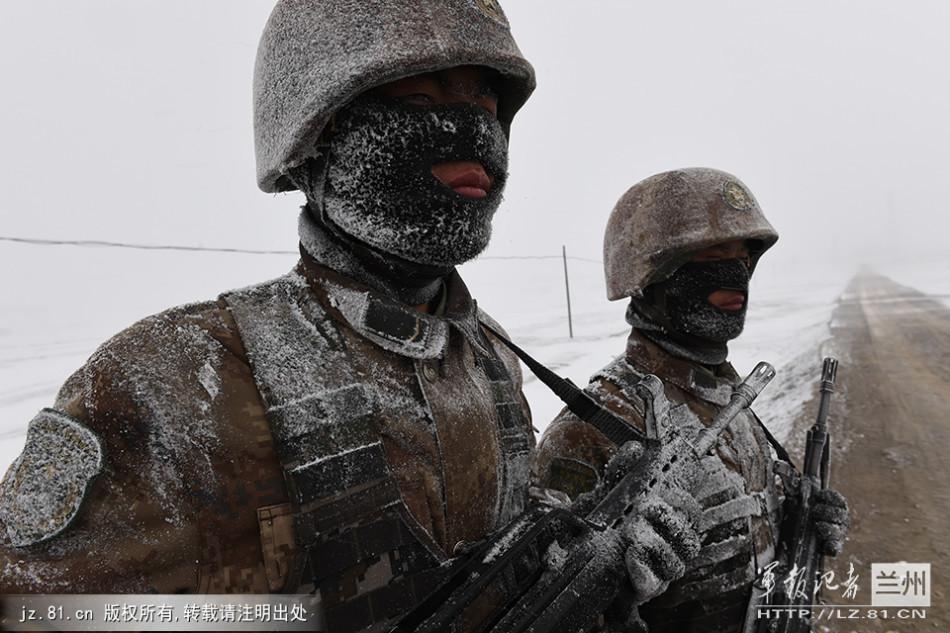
[[244, 251]]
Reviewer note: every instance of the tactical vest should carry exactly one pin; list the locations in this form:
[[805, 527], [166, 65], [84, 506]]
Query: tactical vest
[[363, 550], [739, 525]]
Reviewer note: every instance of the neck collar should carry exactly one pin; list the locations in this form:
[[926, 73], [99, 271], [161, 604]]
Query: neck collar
[[400, 279], [713, 384], [392, 324], [644, 318]]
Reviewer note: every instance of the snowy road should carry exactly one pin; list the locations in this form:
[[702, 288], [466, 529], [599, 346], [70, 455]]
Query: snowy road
[[892, 429]]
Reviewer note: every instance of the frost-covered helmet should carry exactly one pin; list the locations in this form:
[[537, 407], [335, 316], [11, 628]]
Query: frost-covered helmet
[[317, 55], [661, 221]]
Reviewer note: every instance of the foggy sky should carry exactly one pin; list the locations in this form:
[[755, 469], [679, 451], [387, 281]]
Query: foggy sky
[[131, 121]]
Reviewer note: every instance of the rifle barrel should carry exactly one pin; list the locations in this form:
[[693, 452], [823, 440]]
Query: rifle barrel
[[815, 447], [745, 393], [829, 374]]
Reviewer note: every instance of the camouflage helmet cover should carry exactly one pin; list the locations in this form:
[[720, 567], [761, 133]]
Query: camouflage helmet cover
[[317, 55], [661, 221]]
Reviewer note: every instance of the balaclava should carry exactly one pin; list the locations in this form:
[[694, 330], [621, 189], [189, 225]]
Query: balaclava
[[374, 210], [676, 314]]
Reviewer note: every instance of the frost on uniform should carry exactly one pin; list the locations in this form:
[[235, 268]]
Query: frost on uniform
[[345, 428], [47, 483], [682, 246]]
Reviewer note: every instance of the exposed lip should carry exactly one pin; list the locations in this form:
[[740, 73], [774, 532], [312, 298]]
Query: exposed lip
[[474, 182], [733, 303]]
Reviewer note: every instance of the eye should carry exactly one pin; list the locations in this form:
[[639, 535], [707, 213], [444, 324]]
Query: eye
[[710, 255], [418, 98]]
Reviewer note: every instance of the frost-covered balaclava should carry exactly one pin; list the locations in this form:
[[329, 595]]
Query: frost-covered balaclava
[[377, 212], [676, 312], [380, 188]]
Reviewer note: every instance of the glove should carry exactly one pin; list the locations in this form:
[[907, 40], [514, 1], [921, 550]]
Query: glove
[[623, 617], [659, 540], [619, 465], [830, 514], [549, 497]]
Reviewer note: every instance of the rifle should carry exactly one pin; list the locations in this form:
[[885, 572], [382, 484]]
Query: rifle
[[798, 555], [551, 570]]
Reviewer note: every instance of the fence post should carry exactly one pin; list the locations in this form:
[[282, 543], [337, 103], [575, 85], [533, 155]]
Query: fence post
[[567, 289]]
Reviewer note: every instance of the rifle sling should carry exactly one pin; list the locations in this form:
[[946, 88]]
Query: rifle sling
[[779, 449], [587, 409], [577, 401]]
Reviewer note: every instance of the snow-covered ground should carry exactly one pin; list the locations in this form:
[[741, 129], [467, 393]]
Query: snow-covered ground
[[930, 275], [52, 321], [52, 317]]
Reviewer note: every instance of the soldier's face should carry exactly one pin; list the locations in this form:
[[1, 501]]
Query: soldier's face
[[726, 300], [416, 168], [462, 84]]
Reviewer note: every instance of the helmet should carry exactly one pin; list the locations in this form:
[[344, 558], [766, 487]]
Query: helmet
[[317, 55], [661, 221]]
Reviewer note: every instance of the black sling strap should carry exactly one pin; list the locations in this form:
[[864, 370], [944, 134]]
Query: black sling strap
[[779, 449], [577, 401], [592, 412]]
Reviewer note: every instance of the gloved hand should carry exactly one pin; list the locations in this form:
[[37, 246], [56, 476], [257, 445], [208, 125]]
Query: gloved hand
[[661, 538], [548, 496], [619, 465], [830, 513], [623, 617]]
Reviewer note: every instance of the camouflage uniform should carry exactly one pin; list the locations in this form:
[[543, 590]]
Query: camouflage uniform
[[192, 495], [739, 499], [312, 433]]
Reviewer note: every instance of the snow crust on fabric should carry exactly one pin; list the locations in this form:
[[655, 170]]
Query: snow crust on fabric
[[348, 393], [50, 576], [45, 487], [314, 57], [147, 393], [211, 382], [699, 350], [355, 304], [319, 401], [405, 281], [287, 360], [290, 340], [154, 363], [661, 221], [687, 291], [380, 188], [727, 507]]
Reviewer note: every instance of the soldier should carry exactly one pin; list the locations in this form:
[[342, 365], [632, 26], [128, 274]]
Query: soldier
[[683, 245], [341, 429]]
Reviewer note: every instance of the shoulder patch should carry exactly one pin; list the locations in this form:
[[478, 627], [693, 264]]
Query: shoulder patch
[[45, 487]]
